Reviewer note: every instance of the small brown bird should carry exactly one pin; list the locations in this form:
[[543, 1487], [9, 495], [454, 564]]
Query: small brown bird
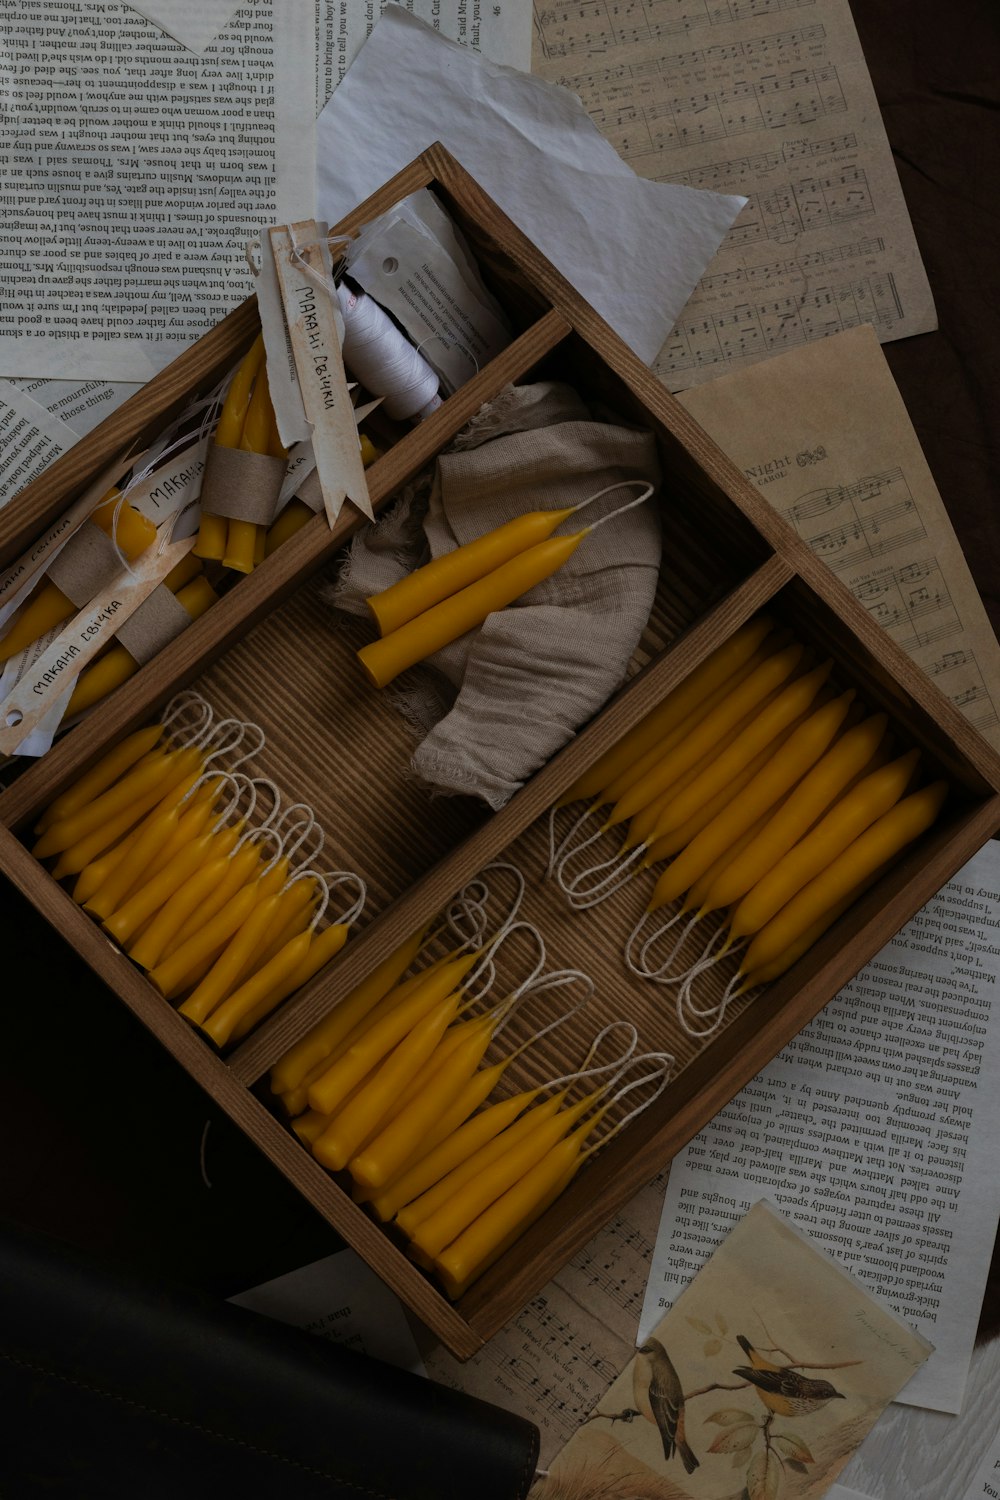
[[659, 1396], [782, 1389]]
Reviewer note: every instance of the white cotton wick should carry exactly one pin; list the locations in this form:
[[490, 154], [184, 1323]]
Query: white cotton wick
[[384, 360]]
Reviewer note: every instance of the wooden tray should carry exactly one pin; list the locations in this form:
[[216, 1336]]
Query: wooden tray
[[272, 650]]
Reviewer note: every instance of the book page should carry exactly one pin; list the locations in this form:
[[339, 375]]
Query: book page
[[770, 98], [134, 172], [824, 435], [500, 30], [875, 1132], [79, 404], [31, 439]]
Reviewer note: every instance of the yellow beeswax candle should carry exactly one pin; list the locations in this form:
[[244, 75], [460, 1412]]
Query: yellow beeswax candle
[[77, 855], [365, 1053], [735, 706], [144, 902], [456, 1289], [225, 972], [511, 1213], [322, 948], [713, 672], [153, 773], [153, 835], [476, 1151], [242, 867], [289, 1070], [148, 947], [49, 606], [443, 1226], [436, 1160], [212, 532], [242, 1001], [401, 1138], [117, 665], [443, 623], [359, 1119], [108, 769], [458, 569]]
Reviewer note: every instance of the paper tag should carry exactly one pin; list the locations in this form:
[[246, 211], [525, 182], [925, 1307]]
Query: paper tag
[[282, 376], [301, 463], [23, 574], [413, 277], [79, 642], [39, 741], [170, 488], [313, 318]]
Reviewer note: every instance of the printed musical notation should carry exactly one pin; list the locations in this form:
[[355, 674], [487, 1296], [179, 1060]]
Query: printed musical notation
[[746, 331], [851, 523], [973, 697], [676, 85]]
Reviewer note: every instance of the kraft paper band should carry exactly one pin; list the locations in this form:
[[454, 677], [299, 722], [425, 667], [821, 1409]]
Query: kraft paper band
[[87, 565], [154, 625], [242, 486]]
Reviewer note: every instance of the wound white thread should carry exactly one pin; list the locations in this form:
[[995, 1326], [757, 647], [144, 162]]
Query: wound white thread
[[384, 360]]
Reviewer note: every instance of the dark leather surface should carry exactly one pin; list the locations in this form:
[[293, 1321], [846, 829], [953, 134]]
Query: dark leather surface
[[111, 1387]]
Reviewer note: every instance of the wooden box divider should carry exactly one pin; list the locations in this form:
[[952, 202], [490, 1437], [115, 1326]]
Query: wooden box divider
[[726, 556]]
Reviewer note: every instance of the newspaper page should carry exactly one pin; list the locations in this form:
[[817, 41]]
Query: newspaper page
[[875, 1132], [500, 30], [823, 433], [31, 438], [770, 99], [133, 174]]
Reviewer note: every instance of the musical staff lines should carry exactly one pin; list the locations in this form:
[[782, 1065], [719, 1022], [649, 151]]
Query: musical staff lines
[[592, 26], [732, 176], [774, 102], [851, 523], [973, 698], [629, 79], [614, 1266], [795, 270], [750, 330]]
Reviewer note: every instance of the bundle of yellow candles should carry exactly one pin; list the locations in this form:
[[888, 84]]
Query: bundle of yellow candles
[[393, 1087], [48, 606], [776, 801], [159, 840], [455, 593]]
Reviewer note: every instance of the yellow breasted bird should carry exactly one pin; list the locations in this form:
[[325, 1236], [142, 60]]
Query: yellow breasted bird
[[659, 1396], [782, 1389]]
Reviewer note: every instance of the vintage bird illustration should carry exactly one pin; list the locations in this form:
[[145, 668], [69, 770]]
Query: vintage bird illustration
[[659, 1397], [783, 1390]]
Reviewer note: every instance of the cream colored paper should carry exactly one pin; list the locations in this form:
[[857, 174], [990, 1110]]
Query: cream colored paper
[[764, 1377], [302, 261], [31, 439], [772, 100], [824, 434], [79, 642]]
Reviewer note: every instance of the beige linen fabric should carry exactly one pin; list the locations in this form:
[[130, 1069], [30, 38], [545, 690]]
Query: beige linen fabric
[[496, 704]]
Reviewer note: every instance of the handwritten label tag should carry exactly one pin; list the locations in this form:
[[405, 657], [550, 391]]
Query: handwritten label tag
[[282, 375], [78, 643], [305, 276], [173, 486], [23, 574], [39, 741]]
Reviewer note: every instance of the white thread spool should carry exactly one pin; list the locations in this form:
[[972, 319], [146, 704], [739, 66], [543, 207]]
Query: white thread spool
[[384, 360]]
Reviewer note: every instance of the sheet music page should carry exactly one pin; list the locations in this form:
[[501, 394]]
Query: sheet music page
[[823, 433], [770, 98], [875, 1131], [558, 1356]]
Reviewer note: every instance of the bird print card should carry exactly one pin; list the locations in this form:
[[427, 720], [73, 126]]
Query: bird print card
[[758, 1384]]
